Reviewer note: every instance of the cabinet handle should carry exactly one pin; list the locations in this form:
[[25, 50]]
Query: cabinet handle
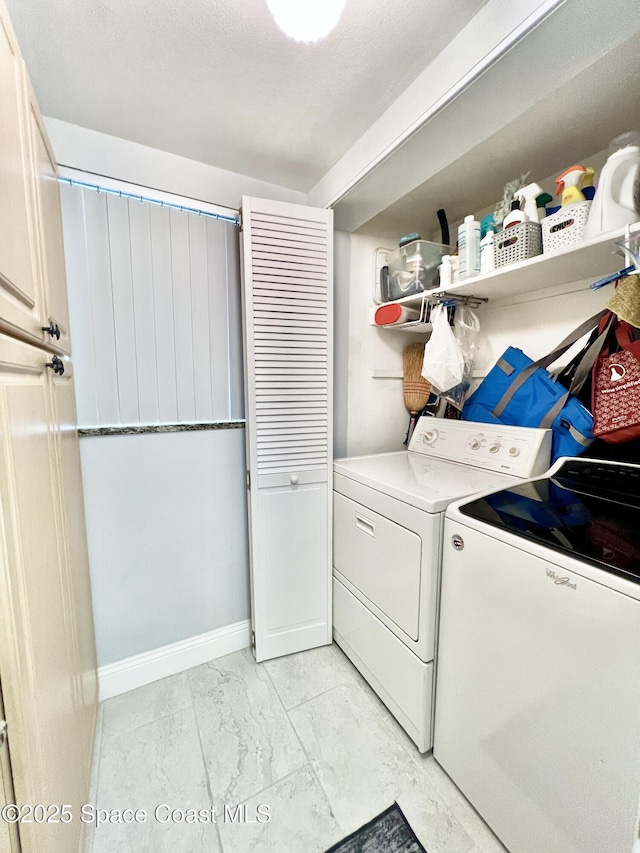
[[293, 479], [56, 364], [53, 330]]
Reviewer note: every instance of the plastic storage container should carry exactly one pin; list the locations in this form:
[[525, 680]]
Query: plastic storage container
[[517, 243], [413, 268], [565, 227]]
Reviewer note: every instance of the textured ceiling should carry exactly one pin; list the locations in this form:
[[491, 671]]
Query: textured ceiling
[[216, 80]]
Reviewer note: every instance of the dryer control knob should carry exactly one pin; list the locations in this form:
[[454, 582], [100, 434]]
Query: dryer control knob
[[430, 436], [475, 444], [494, 448], [514, 451]]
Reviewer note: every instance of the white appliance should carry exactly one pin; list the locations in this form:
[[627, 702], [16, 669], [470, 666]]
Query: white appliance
[[538, 696], [387, 539]]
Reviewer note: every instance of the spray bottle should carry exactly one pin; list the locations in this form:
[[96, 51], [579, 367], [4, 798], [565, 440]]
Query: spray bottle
[[568, 184], [528, 196]]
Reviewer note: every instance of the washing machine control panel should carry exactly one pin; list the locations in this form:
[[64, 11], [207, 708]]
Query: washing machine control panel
[[520, 451]]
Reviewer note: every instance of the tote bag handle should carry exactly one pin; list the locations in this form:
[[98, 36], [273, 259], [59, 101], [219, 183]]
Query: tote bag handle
[[581, 373]]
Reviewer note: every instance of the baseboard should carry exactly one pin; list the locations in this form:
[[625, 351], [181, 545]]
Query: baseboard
[[136, 671]]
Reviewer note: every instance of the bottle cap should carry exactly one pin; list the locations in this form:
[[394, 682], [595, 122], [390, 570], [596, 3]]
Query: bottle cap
[[515, 204], [469, 218]]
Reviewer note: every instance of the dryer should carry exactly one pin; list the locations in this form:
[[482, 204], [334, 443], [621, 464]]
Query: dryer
[[387, 545]]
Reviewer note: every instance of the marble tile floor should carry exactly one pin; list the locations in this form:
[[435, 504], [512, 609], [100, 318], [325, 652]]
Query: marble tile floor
[[302, 739]]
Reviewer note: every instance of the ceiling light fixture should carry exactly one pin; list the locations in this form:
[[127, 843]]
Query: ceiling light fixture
[[304, 20]]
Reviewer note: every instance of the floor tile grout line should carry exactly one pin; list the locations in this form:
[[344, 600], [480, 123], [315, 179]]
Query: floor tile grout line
[[302, 746], [204, 760], [286, 713]]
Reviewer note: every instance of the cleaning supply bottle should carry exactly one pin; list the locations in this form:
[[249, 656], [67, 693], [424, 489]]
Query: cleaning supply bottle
[[541, 203], [613, 205], [568, 184], [469, 248], [529, 194], [487, 223], [455, 263], [515, 215], [586, 184], [445, 270], [487, 252]]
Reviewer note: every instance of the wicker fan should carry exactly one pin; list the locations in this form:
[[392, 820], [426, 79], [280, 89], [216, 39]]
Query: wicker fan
[[415, 386]]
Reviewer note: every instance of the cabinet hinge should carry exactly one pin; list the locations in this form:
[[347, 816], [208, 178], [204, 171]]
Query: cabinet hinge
[[249, 480], [253, 640], [240, 226]]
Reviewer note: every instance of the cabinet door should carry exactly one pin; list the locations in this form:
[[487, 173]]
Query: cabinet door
[[9, 840], [36, 653], [20, 297], [49, 229], [76, 561], [287, 299]]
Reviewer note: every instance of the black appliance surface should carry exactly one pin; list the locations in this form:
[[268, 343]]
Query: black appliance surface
[[589, 509]]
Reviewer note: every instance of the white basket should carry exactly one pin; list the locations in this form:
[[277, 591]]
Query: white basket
[[566, 227], [517, 243]]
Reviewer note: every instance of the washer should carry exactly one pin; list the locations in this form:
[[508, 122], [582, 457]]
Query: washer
[[387, 544], [538, 695]]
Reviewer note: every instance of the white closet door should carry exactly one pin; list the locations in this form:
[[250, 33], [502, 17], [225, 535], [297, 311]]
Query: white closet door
[[287, 255]]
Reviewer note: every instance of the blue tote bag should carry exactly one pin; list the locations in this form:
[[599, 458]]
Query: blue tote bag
[[518, 391]]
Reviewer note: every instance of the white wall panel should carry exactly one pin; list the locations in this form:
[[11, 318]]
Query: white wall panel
[[167, 542], [155, 295]]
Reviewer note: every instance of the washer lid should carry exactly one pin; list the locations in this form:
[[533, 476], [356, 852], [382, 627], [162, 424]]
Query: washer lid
[[588, 509], [426, 483]]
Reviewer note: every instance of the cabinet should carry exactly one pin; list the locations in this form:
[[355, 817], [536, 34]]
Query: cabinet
[[20, 294], [33, 293], [48, 737], [9, 841], [47, 646], [48, 228]]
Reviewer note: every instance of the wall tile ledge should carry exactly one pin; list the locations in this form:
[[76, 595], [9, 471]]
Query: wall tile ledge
[[145, 429]]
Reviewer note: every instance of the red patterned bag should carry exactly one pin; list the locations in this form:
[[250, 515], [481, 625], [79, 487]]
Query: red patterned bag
[[615, 390]]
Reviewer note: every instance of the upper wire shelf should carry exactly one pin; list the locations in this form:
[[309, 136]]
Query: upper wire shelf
[[422, 326]]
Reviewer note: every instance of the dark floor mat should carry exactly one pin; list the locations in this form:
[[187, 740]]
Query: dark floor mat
[[389, 832]]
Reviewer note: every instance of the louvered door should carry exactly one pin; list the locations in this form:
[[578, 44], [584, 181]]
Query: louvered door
[[287, 253]]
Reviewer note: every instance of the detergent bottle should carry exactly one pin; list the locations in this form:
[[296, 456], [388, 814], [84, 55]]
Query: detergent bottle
[[568, 184], [613, 205]]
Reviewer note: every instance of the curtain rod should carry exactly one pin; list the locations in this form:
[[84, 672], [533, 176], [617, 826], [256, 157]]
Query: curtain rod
[[135, 197]]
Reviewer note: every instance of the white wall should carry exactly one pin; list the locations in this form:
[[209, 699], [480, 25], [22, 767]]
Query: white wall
[[101, 154], [166, 524], [377, 419], [341, 305]]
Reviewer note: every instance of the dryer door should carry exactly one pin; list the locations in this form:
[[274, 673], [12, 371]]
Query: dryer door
[[381, 559]]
